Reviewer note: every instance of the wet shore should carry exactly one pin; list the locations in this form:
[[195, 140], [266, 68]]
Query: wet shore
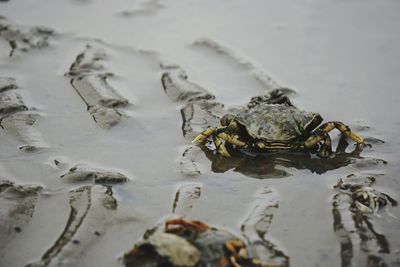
[[99, 103]]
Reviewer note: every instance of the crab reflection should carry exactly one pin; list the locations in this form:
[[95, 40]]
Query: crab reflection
[[275, 165], [355, 208]]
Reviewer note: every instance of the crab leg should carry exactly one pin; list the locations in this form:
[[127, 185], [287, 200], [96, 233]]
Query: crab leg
[[221, 134], [326, 148], [231, 138], [343, 128], [203, 135], [321, 134], [238, 250], [318, 136], [236, 246], [218, 135], [220, 146]]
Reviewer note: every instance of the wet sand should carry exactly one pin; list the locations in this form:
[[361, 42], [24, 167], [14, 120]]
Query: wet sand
[[95, 150]]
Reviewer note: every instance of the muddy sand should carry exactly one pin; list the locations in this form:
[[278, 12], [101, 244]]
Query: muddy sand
[[99, 103]]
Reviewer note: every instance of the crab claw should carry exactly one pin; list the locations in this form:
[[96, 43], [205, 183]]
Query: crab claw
[[203, 135], [356, 137], [195, 225]]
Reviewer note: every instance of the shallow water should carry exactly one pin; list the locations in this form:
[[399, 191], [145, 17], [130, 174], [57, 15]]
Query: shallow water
[[340, 57]]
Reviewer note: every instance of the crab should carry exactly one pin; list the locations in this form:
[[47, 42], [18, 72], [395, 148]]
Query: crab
[[272, 124], [190, 243], [365, 198], [353, 208]]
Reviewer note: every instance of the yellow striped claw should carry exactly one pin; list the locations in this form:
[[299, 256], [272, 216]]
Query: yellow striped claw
[[220, 146], [230, 132], [232, 138], [356, 137], [203, 136]]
